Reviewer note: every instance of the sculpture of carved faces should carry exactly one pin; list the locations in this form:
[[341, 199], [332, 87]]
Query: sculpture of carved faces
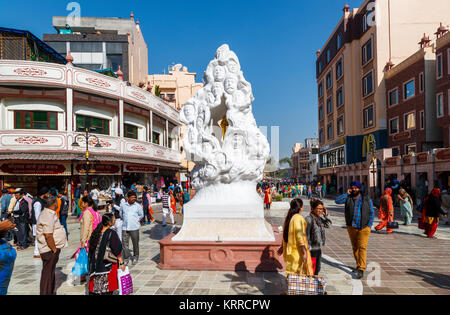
[[233, 66], [238, 141], [230, 84], [219, 73], [207, 148], [210, 171], [217, 89], [192, 135], [189, 113], [220, 159]]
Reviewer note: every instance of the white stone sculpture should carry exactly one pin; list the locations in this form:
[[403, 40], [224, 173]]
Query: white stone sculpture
[[230, 154]]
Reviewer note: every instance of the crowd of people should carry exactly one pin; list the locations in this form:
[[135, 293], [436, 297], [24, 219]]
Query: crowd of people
[[304, 237], [42, 220]]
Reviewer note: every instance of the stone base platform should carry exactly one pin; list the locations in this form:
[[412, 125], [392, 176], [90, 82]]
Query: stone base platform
[[222, 256]]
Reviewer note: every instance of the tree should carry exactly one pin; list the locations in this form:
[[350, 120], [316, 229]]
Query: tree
[[286, 160], [157, 90]]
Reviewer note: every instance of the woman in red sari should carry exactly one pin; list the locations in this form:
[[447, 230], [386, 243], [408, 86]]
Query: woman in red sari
[[386, 212], [432, 209], [267, 197]]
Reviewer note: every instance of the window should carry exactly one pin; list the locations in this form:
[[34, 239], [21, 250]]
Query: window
[[439, 66], [340, 125], [60, 47], [320, 66], [340, 97], [367, 52], [320, 89], [339, 69], [395, 151], [330, 131], [339, 41], [421, 83], [329, 105], [368, 84], [88, 47], [101, 125], [410, 148], [155, 137], [114, 61], [113, 48], [410, 121], [321, 114], [35, 120], [440, 104], [329, 80], [130, 131], [369, 116], [422, 119], [393, 97], [90, 66], [393, 126], [328, 55], [321, 136], [409, 89]]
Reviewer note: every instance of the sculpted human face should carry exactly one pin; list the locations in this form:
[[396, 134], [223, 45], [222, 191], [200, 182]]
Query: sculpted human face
[[206, 148], [230, 85], [232, 66], [219, 73], [217, 89], [238, 141], [210, 170], [189, 111]]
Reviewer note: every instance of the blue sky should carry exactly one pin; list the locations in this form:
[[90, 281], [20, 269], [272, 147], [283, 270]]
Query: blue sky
[[276, 42]]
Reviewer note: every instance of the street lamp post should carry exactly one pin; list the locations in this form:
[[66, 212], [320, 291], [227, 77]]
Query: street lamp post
[[87, 136], [372, 148]]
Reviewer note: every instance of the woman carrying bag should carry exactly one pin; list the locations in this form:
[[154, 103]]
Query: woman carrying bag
[[104, 258], [299, 270]]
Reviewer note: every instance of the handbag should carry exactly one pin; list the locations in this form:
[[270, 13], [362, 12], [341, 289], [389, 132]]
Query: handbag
[[392, 225], [109, 256], [306, 285]]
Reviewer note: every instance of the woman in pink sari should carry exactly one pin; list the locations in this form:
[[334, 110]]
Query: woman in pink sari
[[89, 220]]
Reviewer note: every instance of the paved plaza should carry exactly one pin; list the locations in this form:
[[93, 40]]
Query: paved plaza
[[405, 261]]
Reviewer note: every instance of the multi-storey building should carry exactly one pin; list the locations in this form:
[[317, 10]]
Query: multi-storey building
[[44, 106], [304, 161], [443, 83], [98, 43], [176, 88], [411, 99], [351, 83]]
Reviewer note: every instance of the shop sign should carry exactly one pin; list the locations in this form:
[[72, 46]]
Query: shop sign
[[133, 168], [402, 136], [422, 157], [32, 169], [98, 169], [443, 154], [332, 145], [368, 143], [391, 161]]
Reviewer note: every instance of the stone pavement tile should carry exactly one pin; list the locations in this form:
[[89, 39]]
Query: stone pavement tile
[[190, 278], [186, 284], [381, 290], [403, 291], [441, 291], [203, 284], [153, 283], [218, 292], [221, 285], [165, 291], [421, 291], [176, 275], [182, 291], [146, 291], [200, 291], [170, 284], [159, 277], [193, 273]]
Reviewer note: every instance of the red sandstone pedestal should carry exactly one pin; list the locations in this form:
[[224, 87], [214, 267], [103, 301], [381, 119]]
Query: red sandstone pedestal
[[222, 256]]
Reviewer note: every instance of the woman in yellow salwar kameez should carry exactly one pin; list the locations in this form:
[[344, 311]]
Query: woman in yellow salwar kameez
[[295, 243]]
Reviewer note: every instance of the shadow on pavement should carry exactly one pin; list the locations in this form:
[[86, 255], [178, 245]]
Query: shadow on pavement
[[439, 280], [345, 268]]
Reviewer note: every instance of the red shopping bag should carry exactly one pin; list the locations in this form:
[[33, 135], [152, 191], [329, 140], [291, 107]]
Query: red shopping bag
[[313, 260]]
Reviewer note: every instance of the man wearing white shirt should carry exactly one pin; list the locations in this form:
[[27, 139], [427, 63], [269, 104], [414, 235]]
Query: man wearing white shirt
[[94, 195], [131, 213]]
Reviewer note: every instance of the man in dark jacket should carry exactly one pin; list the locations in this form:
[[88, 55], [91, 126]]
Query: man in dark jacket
[[64, 213], [21, 213], [359, 217]]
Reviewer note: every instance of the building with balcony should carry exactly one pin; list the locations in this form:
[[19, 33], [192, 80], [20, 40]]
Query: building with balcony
[[304, 161], [44, 106], [103, 43], [175, 89], [351, 84]]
